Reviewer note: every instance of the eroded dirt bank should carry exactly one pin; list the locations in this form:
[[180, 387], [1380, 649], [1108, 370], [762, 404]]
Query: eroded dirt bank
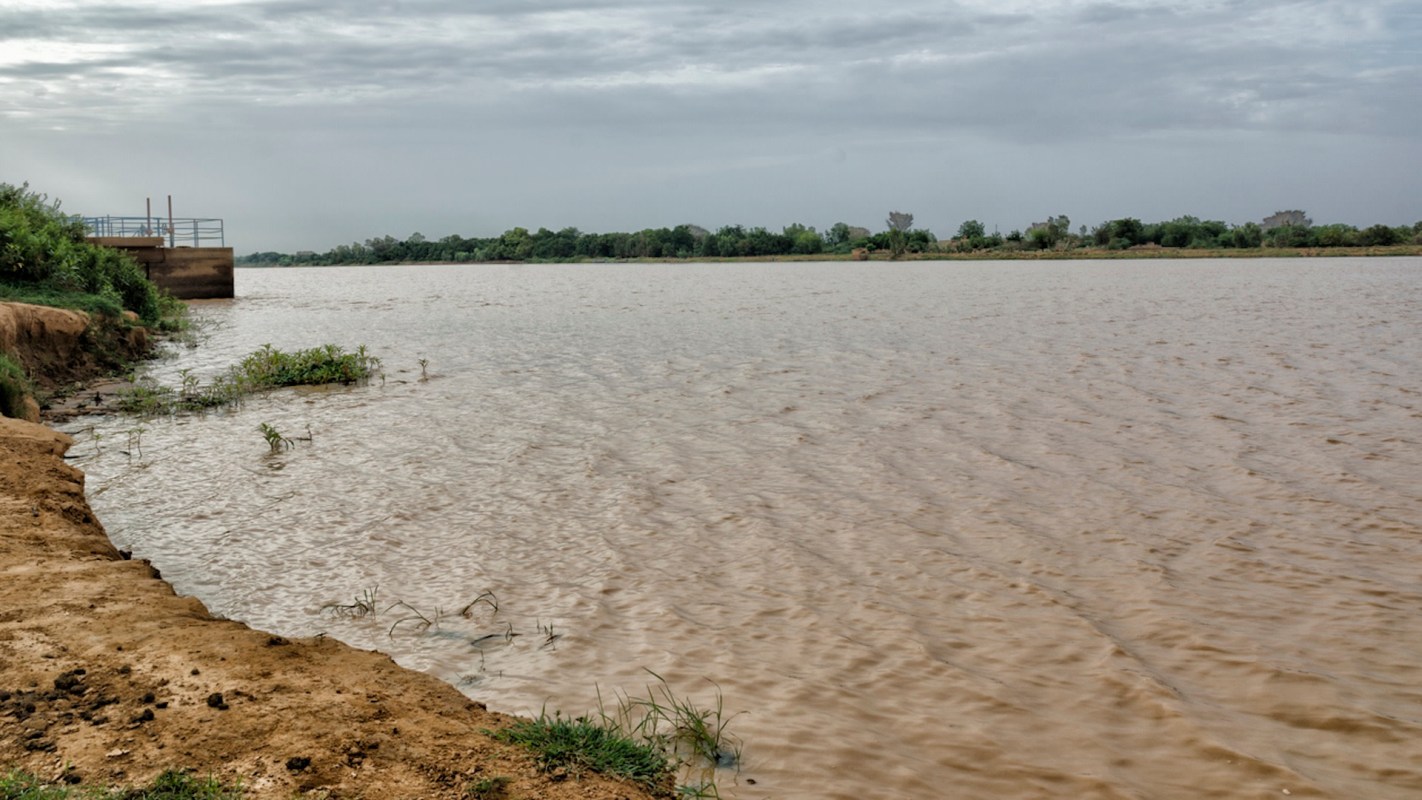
[[107, 676], [60, 347]]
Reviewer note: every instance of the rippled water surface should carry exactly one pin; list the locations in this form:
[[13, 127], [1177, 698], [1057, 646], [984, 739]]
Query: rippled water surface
[[1013, 530]]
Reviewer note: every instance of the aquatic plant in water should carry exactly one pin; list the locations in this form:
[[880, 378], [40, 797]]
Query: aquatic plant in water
[[275, 440], [262, 370]]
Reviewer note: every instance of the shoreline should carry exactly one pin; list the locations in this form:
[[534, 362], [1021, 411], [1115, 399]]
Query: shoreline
[[109, 677]]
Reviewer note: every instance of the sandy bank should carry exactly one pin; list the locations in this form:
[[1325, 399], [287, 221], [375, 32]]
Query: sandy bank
[[107, 673]]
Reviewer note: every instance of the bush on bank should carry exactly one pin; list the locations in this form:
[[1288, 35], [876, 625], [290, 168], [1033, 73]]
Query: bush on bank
[[14, 387], [45, 259]]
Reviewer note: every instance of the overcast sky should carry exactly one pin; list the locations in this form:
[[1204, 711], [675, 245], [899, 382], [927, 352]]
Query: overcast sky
[[309, 124]]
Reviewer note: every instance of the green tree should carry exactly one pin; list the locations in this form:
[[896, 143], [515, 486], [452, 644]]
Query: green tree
[[1377, 236], [804, 241], [1119, 234], [971, 230], [1290, 236], [1047, 235], [1335, 235], [838, 235], [1248, 235], [899, 224]]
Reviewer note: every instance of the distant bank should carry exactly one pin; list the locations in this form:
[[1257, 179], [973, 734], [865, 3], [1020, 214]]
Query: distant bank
[[1074, 254], [1284, 234]]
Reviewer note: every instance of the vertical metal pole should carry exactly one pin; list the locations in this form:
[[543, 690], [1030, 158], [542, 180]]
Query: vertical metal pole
[[170, 222], [148, 216]]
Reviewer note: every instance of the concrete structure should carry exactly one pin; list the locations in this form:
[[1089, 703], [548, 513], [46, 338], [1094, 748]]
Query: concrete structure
[[188, 273]]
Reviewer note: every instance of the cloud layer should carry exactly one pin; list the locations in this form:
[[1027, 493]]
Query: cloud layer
[[311, 123]]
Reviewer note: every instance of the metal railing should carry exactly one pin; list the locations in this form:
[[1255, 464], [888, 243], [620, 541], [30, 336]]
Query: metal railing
[[178, 231]]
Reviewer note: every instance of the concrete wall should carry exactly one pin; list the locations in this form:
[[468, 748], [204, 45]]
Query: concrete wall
[[189, 273], [194, 273]]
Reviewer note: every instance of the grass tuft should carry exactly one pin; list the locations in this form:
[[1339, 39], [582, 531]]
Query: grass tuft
[[646, 740], [586, 744], [693, 736], [171, 785]]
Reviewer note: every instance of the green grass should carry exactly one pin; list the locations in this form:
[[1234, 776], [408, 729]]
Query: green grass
[[646, 740], [171, 315], [587, 744], [93, 304], [263, 370], [171, 785]]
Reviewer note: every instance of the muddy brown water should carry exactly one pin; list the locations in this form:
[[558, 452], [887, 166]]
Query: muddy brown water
[[1090, 529]]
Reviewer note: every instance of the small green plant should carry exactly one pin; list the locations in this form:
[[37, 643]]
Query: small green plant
[[424, 372], [494, 788], [275, 440], [146, 398], [174, 785], [190, 384]]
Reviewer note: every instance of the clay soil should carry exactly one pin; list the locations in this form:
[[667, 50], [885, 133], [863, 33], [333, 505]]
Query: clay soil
[[110, 678]]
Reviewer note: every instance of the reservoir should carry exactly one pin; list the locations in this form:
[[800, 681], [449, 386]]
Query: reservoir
[[1112, 529]]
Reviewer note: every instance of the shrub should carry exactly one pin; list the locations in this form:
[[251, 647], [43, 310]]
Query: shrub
[[14, 387], [43, 248]]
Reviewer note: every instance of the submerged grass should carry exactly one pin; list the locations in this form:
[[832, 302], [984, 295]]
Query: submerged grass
[[171, 785], [691, 735], [263, 370]]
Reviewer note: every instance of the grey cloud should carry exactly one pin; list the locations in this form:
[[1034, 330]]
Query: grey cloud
[[709, 94]]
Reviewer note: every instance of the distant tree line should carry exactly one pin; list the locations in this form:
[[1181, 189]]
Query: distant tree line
[[1283, 229], [1289, 229], [571, 244]]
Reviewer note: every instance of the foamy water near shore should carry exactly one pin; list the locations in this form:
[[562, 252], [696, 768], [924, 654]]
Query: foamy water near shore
[[1002, 530]]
